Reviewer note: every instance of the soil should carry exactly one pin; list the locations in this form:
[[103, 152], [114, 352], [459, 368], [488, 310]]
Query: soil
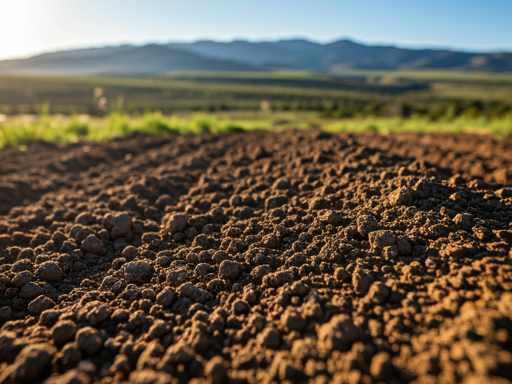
[[299, 256]]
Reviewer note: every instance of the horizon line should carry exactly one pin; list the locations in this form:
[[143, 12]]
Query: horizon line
[[265, 40]]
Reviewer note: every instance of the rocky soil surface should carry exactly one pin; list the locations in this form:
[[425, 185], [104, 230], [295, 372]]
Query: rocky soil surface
[[299, 257]]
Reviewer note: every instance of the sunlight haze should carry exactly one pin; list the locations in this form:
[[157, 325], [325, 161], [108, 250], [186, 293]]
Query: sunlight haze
[[35, 26]]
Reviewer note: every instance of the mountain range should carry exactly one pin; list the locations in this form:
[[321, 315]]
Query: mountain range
[[153, 59]]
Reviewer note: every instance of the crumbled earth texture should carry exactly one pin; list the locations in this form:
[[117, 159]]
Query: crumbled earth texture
[[299, 257]]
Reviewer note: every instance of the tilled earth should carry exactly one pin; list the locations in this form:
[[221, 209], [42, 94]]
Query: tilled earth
[[257, 258]]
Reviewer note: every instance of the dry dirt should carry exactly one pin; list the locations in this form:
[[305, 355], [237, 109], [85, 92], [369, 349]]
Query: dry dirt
[[257, 258]]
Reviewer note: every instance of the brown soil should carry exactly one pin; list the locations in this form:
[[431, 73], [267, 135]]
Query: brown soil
[[257, 257]]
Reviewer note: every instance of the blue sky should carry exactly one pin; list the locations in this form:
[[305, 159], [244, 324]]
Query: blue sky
[[34, 26]]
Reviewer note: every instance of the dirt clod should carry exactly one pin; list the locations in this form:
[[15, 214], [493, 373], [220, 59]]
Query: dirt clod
[[28, 364], [194, 293], [338, 334], [138, 272], [49, 271], [40, 304], [93, 244], [177, 223], [88, 340], [229, 270], [121, 225]]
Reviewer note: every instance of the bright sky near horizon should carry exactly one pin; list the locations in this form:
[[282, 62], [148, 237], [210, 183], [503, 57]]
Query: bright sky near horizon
[[34, 26]]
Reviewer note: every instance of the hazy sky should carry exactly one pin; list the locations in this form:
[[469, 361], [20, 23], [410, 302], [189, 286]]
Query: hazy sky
[[34, 26]]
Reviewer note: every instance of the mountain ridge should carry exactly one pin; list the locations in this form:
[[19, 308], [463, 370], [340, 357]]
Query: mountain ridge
[[242, 55]]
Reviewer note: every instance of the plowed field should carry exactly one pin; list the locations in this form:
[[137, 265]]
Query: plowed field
[[298, 256]]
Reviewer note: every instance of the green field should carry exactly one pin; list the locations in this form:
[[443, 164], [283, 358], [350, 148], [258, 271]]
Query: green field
[[26, 129], [347, 94], [70, 109]]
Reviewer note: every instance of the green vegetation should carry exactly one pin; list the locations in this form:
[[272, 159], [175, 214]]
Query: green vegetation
[[70, 109], [498, 127], [423, 75], [346, 94], [25, 130]]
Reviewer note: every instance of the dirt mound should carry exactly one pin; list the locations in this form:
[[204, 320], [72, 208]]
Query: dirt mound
[[473, 156], [255, 257]]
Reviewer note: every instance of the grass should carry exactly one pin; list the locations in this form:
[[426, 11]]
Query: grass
[[497, 127], [28, 129]]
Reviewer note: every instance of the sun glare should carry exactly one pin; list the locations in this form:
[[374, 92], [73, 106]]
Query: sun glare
[[21, 22]]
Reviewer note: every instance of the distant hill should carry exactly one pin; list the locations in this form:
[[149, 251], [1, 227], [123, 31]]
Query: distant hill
[[123, 60], [286, 53], [250, 56], [345, 54]]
